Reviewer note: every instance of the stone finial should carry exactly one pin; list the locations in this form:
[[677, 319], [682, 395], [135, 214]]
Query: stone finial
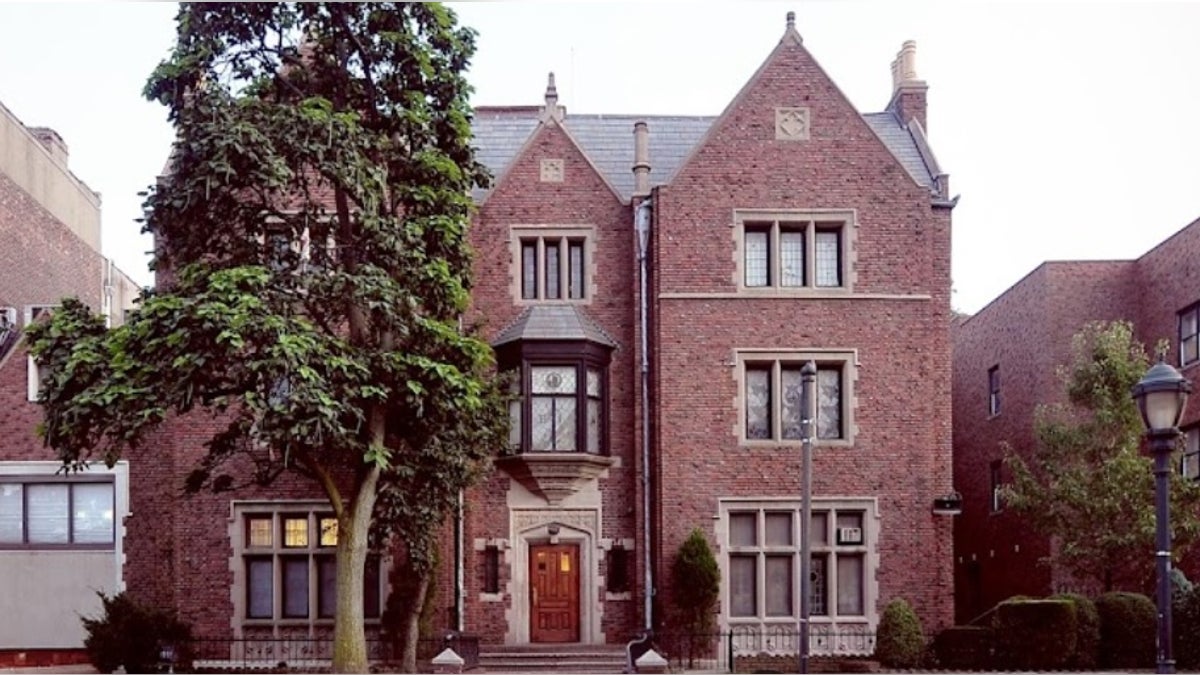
[[551, 92], [791, 20]]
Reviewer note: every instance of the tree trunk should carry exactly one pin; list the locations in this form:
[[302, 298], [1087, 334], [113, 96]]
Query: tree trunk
[[349, 636], [410, 623]]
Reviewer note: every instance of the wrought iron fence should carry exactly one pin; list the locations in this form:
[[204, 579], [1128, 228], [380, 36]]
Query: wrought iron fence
[[751, 648], [301, 654]]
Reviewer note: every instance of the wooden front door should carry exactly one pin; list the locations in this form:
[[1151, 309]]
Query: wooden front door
[[554, 594]]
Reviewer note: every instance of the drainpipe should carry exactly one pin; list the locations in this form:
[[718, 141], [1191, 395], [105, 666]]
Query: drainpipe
[[642, 225], [458, 565]]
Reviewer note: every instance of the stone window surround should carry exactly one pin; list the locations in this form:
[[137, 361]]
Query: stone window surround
[[239, 510], [849, 250], [869, 549], [579, 231], [847, 358]]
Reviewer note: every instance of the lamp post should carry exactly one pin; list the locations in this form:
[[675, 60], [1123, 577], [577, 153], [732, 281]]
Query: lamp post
[[808, 376], [1161, 395]]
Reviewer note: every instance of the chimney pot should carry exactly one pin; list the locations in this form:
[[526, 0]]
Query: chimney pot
[[791, 19], [641, 158]]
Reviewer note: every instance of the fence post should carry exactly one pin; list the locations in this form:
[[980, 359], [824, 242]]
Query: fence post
[[729, 652]]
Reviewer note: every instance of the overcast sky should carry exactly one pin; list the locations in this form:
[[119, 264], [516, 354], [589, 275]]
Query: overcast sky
[[1071, 130]]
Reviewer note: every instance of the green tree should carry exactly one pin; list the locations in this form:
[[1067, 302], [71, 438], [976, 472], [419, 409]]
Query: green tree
[[311, 246], [1086, 483], [695, 588]]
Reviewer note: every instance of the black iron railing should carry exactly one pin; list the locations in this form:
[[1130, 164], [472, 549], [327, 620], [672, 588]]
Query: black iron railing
[[302, 654], [750, 648]]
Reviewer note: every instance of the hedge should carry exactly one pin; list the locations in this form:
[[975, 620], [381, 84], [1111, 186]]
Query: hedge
[[1127, 630], [1035, 634], [899, 640], [964, 648], [1087, 636]]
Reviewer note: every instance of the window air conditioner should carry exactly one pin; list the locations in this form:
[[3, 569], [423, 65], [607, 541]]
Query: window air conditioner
[[849, 535]]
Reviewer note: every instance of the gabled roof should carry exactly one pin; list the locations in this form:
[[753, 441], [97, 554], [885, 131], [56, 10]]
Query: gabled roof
[[607, 140], [554, 322]]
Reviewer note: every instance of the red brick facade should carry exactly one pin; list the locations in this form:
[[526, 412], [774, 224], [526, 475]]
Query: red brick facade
[[1026, 334]]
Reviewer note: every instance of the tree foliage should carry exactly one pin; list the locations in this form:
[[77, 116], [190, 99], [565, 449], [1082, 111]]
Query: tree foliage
[[1086, 482], [313, 269]]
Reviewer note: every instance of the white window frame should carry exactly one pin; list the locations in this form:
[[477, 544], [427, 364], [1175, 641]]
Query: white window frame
[[1189, 344], [1189, 460], [562, 235], [809, 221], [994, 391], [845, 359], [832, 621]]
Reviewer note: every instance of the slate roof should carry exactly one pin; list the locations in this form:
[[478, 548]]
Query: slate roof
[[608, 141], [553, 322]]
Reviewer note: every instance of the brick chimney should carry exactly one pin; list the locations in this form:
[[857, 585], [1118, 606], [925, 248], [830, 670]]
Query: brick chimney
[[908, 92], [53, 143], [641, 159]]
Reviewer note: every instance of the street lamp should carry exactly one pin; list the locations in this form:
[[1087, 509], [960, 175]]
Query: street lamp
[[1161, 395], [808, 376]]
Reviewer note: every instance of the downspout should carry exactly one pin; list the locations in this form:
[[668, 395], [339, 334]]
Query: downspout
[[642, 225], [459, 564]]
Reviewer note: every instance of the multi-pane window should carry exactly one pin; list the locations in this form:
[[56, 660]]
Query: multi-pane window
[[1189, 462], [997, 495], [553, 268], [1189, 335], [563, 411], [46, 514], [994, 390], [291, 569], [764, 561], [772, 399], [789, 252]]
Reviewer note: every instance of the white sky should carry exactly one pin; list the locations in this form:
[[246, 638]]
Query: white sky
[[1071, 130]]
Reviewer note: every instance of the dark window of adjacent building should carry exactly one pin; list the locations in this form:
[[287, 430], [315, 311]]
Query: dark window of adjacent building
[[1189, 335], [994, 390], [618, 569], [35, 514], [1189, 463], [996, 504], [491, 569]]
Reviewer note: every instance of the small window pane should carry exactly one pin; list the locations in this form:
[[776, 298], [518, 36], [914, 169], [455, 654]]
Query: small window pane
[[258, 531], [593, 383], [542, 424], [791, 258], [779, 529], [295, 587], [818, 591], [553, 380], [47, 516], [93, 513], [743, 586], [779, 585], [514, 424], [850, 585], [259, 584], [793, 412], [528, 270], [326, 586], [829, 263], [576, 269], [565, 424], [552, 272], [829, 403], [818, 533], [12, 530], [743, 529], [756, 263], [758, 402], [329, 531], [593, 426], [295, 532]]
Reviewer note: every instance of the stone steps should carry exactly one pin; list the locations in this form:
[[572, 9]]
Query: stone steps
[[552, 658]]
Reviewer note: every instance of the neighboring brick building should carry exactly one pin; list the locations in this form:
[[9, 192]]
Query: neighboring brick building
[[1005, 361], [791, 227], [52, 557]]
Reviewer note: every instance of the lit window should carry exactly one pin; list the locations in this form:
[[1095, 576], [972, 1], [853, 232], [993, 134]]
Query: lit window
[[295, 532], [329, 531], [259, 532]]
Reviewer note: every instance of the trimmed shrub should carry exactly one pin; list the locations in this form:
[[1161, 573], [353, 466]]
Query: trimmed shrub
[[1186, 624], [695, 583], [1087, 635], [1035, 634], [1127, 630], [131, 635], [964, 648], [899, 640]]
